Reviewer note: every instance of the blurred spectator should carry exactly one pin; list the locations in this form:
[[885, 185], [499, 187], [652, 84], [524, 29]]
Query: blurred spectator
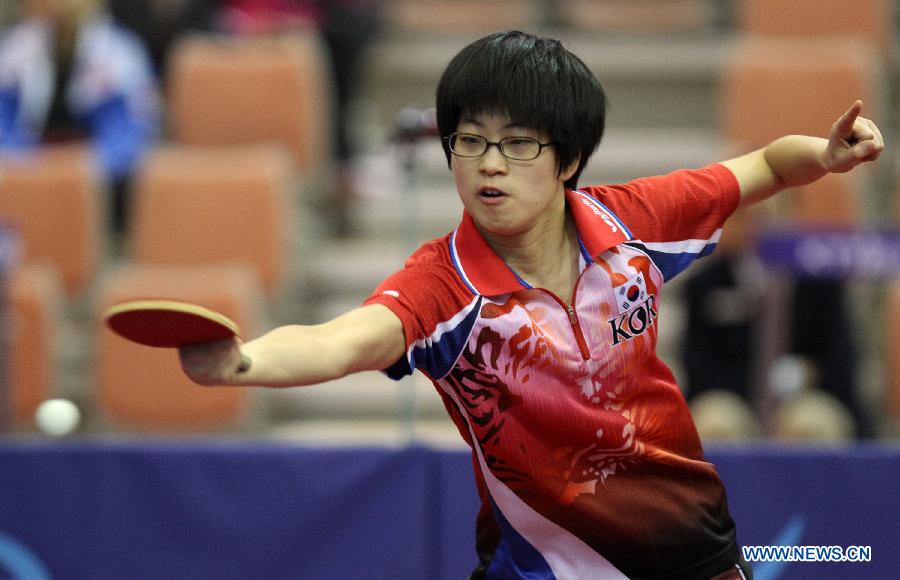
[[159, 23], [724, 417], [68, 73], [814, 417], [725, 302], [723, 297], [823, 333], [722, 327]]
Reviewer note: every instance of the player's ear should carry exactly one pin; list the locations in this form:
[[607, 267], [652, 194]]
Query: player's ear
[[568, 171]]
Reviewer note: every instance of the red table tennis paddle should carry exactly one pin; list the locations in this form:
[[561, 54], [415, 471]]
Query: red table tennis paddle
[[170, 324]]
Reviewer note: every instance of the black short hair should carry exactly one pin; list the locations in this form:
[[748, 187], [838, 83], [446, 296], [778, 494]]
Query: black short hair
[[535, 81]]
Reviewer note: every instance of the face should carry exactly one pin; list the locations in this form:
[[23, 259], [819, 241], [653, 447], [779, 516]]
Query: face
[[506, 197]]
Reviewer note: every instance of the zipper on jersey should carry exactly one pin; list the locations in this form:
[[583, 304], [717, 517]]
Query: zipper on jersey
[[573, 320], [579, 336], [573, 316]]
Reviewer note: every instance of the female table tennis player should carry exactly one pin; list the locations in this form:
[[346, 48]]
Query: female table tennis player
[[537, 318]]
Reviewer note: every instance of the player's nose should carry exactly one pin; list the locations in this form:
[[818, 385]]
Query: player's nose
[[492, 161]]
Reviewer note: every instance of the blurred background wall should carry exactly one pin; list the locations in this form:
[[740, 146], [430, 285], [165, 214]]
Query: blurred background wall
[[312, 117]]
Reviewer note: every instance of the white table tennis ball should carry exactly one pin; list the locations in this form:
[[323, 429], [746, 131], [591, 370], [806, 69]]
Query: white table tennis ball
[[57, 417]]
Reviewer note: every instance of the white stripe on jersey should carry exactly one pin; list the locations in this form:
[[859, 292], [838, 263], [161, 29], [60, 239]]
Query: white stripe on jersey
[[566, 554], [454, 255], [684, 246], [446, 326]]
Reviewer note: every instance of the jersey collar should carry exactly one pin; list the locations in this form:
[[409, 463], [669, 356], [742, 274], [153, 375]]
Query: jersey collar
[[485, 273]]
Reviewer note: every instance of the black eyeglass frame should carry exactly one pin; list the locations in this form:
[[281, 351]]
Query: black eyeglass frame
[[499, 144]]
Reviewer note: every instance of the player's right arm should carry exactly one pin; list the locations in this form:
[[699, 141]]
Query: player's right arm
[[366, 338], [796, 160]]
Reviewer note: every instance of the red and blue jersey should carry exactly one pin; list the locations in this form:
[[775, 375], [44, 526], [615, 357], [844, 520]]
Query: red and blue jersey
[[587, 459]]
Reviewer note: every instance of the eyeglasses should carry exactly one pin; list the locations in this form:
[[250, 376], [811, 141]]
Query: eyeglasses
[[515, 148]]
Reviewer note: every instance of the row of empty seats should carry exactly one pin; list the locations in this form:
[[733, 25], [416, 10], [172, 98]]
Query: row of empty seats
[[193, 205], [213, 221], [208, 227], [216, 207]]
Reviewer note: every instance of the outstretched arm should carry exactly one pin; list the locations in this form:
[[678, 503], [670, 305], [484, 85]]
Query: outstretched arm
[[797, 159], [366, 338]]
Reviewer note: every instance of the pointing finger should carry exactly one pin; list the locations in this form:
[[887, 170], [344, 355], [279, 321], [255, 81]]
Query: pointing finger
[[843, 127]]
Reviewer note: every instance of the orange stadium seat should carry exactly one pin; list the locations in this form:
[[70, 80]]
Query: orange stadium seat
[[143, 388], [53, 199], [241, 91], [196, 206], [772, 87], [638, 15], [461, 16], [36, 295], [871, 19]]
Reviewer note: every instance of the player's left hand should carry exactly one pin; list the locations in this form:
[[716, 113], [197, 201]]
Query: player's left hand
[[853, 140]]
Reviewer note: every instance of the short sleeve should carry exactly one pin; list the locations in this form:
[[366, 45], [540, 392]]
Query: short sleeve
[[435, 307], [677, 217]]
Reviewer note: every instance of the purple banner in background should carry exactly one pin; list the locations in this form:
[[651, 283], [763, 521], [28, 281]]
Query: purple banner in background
[[832, 253]]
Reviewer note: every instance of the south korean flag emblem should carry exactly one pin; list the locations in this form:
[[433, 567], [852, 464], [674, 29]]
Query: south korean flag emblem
[[631, 293]]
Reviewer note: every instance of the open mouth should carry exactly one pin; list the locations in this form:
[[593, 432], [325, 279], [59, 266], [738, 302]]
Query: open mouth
[[490, 192]]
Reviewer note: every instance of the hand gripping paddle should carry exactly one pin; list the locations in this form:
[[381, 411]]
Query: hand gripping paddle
[[170, 324]]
